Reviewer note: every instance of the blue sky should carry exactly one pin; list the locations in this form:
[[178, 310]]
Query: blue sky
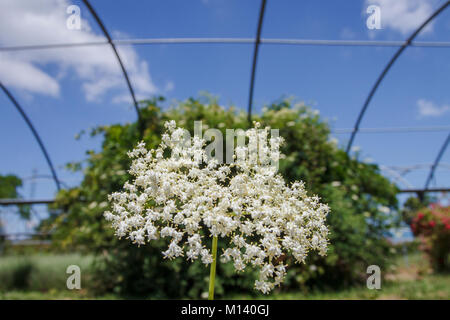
[[67, 90]]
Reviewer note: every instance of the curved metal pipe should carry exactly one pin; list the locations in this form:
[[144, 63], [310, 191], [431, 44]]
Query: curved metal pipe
[[124, 71], [35, 133], [436, 162], [387, 68], [255, 60]]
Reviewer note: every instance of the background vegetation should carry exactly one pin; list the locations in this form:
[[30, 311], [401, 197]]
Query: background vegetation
[[363, 210]]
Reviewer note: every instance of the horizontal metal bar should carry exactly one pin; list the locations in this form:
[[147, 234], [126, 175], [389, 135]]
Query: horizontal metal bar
[[419, 166], [392, 129], [25, 234], [18, 202], [8, 202], [353, 43], [31, 243], [425, 190], [184, 41], [303, 42], [53, 46], [319, 42]]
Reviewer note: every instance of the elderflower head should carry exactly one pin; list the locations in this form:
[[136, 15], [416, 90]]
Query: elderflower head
[[185, 196]]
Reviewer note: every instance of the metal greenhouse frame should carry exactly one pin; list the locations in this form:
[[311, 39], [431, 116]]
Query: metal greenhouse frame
[[257, 41]]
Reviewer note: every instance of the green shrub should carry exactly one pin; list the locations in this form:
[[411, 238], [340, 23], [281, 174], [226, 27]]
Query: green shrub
[[9, 185], [361, 201], [432, 225], [15, 273], [42, 272]]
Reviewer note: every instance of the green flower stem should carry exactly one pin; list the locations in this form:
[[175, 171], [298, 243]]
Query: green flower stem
[[212, 274]]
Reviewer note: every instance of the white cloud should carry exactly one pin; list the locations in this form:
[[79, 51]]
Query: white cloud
[[347, 33], [44, 22], [404, 16], [16, 73], [169, 86], [429, 109]]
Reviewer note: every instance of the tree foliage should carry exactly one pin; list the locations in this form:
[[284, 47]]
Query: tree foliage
[[361, 202], [432, 225], [9, 185]]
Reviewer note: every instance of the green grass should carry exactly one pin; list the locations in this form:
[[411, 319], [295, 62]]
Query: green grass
[[409, 279], [44, 277], [53, 295], [40, 272], [428, 287]]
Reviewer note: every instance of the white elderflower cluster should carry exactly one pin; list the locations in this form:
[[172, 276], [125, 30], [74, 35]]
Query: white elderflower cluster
[[180, 193]]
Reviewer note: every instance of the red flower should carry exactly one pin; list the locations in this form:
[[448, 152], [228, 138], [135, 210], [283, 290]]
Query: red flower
[[432, 224], [420, 215], [447, 227]]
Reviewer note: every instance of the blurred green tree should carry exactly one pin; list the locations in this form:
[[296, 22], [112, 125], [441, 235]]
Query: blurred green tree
[[9, 185], [414, 204], [362, 203]]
